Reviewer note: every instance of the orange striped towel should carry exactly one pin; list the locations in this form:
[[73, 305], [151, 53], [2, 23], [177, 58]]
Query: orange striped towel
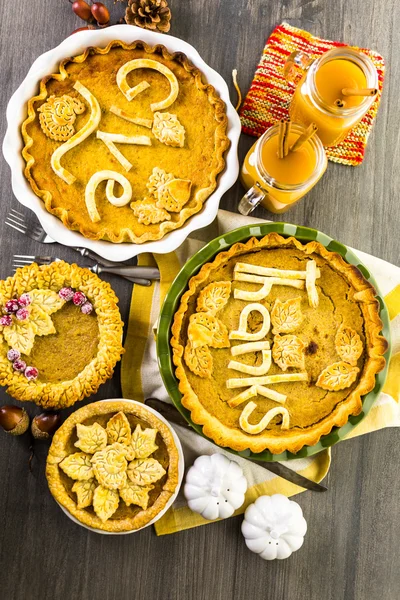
[[269, 96]]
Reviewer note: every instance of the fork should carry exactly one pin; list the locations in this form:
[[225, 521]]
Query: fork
[[18, 221], [20, 260]]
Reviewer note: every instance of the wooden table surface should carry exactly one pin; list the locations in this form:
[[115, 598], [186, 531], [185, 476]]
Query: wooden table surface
[[351, 548]]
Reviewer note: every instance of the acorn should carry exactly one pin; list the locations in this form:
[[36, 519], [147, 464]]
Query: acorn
[[100, 13], [45, 425], [13, 419]]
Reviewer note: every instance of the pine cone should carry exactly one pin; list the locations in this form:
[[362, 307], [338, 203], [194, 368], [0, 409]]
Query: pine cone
[[149, 14]]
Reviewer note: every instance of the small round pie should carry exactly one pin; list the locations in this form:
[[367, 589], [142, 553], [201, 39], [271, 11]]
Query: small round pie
[[275, 343], [60, 336], [128, 473]]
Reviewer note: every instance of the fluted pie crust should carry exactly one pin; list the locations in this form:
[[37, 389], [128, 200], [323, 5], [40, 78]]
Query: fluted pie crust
[[200, 160], [61, 394], [62, 446], [344, 293]]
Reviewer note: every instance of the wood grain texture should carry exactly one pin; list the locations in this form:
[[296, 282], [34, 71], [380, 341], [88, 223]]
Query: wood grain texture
[[351, 548]]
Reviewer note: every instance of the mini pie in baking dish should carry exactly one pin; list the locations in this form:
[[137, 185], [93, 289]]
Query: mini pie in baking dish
[[275, 343], [125, 143], [113, 465], [60, 334]]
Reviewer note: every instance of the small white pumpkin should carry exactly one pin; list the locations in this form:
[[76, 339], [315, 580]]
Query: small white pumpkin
[[215, 486], [274, 527]]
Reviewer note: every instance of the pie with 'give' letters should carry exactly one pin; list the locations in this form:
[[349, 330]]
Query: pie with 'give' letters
[[125, 143]]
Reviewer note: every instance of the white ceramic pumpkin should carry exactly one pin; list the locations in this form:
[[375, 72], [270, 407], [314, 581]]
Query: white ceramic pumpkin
[[215, 486], [274, 527]]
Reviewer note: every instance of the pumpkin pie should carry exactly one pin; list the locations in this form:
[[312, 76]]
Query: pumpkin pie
[[275, 343], [125, 143], [60, 334], [113, 465]]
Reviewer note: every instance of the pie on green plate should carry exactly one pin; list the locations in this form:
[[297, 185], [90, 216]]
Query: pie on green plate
[[275, 343]]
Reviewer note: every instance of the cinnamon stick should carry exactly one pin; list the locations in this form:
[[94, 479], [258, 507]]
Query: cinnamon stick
[[304, 137], [283, 138], [359, 91]]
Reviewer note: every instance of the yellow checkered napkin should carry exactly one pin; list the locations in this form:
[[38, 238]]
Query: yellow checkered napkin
[[141, 378]]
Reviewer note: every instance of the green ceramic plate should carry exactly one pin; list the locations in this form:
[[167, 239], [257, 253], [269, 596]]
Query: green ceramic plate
[[206, 254]]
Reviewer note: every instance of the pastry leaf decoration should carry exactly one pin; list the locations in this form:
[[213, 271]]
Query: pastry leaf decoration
[[221, 336], [286, 316], [288, 351], [91, 438], [142, 443], [337, 376], [109, 466], [135, 494], [105, 502], [157, 179], [206, 330], [173, 195], [78, 466], [201, 329], [199, 360], [47, 300], [40, 321], [148, 213], [214, 297], [168, 129], [348, 345], [84, 491], [20, 336], [145, 471], [101, 471], [118, 429], [57, 117]]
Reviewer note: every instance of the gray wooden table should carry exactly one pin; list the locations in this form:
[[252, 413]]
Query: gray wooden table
[[351, 548]]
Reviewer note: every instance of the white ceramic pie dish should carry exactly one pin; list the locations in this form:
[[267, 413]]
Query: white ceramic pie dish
[[181, 470], [16, 113]]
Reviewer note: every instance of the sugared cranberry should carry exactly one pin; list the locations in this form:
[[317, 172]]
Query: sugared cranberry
[[31, 373], [6, 320], [12, 306], [19, 365], [66, 293], [24, 300], [79, 298], [22, 314], [87, 308], [13, 354]]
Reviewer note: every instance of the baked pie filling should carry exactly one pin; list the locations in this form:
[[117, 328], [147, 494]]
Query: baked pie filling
[[125, 143], [275, 343]]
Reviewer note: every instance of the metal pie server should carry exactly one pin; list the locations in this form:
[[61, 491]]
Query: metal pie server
[[170, 413]]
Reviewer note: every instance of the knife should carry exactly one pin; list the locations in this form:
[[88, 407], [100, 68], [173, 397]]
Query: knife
[[172, 414], [128, 271]]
